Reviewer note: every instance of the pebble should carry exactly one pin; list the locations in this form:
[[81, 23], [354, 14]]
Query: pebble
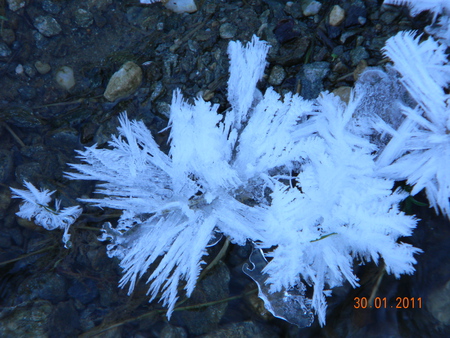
[[311, 79], [19, 69], [438, 303], [311, 8], [337, 15], [360, 68], [15, 5], [355, 15], [158, 91], [124, 82], [27, 92], [63, 139], [50, 6], [294, 9], [343, 92], [180, 6], [65, 78], [227, 31], [6, 165], [8, 35], [358, 54], [29, 70], [4, 50], [47, 26], [42, 68], [389, 17], [277, 75], [26, 318], [83, 18]]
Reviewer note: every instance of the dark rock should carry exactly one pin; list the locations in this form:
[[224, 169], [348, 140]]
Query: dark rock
[[27, 92], [6, 165], [292, 53], [213, 286], [358, 54], [48, 286], [4, 50], [65, 138], [26, 320], [84, 291], [294, 9], [47, 26], [65, 321], [285, 32], [311, 78], [355, 16], [28, 172], [50, 6], [244, 330]]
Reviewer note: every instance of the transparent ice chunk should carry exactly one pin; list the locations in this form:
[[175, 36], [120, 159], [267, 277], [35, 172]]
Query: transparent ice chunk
[[290, 305]]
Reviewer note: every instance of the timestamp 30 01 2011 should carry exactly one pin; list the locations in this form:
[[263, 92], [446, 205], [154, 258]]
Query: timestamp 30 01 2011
[[382, 303]]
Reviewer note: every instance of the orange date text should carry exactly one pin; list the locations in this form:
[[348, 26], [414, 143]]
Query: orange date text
[[382, 303]]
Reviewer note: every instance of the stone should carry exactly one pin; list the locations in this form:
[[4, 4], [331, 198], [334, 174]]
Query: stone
[[83, 18], [311, 8], [438, 303], [28, 319], [124, 82], [50, 6], [8, 35], [65, 78], [357, 54], [277, 75], [181, 6], [42, 68], [227, 31], [15, 5], [47, 26], [4, 50], [6, 165], [311, 78], [343, 92], [177, 6], [337, 15]]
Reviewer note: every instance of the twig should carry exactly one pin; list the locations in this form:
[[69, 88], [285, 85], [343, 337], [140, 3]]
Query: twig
[[14, 135]]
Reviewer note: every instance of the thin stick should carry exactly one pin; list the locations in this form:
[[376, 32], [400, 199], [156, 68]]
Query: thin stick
[[14, 135]]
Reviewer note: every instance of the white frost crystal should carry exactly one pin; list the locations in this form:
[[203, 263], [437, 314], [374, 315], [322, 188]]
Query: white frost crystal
[[310, 183], [286, 173], [35, 206], [424, 136]]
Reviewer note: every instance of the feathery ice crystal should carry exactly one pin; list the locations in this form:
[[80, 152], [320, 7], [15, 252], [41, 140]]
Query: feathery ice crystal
[[424, 136], [309, 183], [35, 206], [289, 174]]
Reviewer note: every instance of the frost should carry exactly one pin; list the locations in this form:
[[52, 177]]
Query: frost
[[310, 183], [296, 177], [420, 148], [35, 206], [340, 210], [440, 27], [418, 6], [173, 204]]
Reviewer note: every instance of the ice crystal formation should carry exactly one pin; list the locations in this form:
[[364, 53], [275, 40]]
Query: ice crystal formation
[[309, 182], [35, 207], [286, 173]]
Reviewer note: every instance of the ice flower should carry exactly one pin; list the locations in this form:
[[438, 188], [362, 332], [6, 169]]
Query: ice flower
[[173, 205], [35, 207], [419, 151], [338, 211]]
